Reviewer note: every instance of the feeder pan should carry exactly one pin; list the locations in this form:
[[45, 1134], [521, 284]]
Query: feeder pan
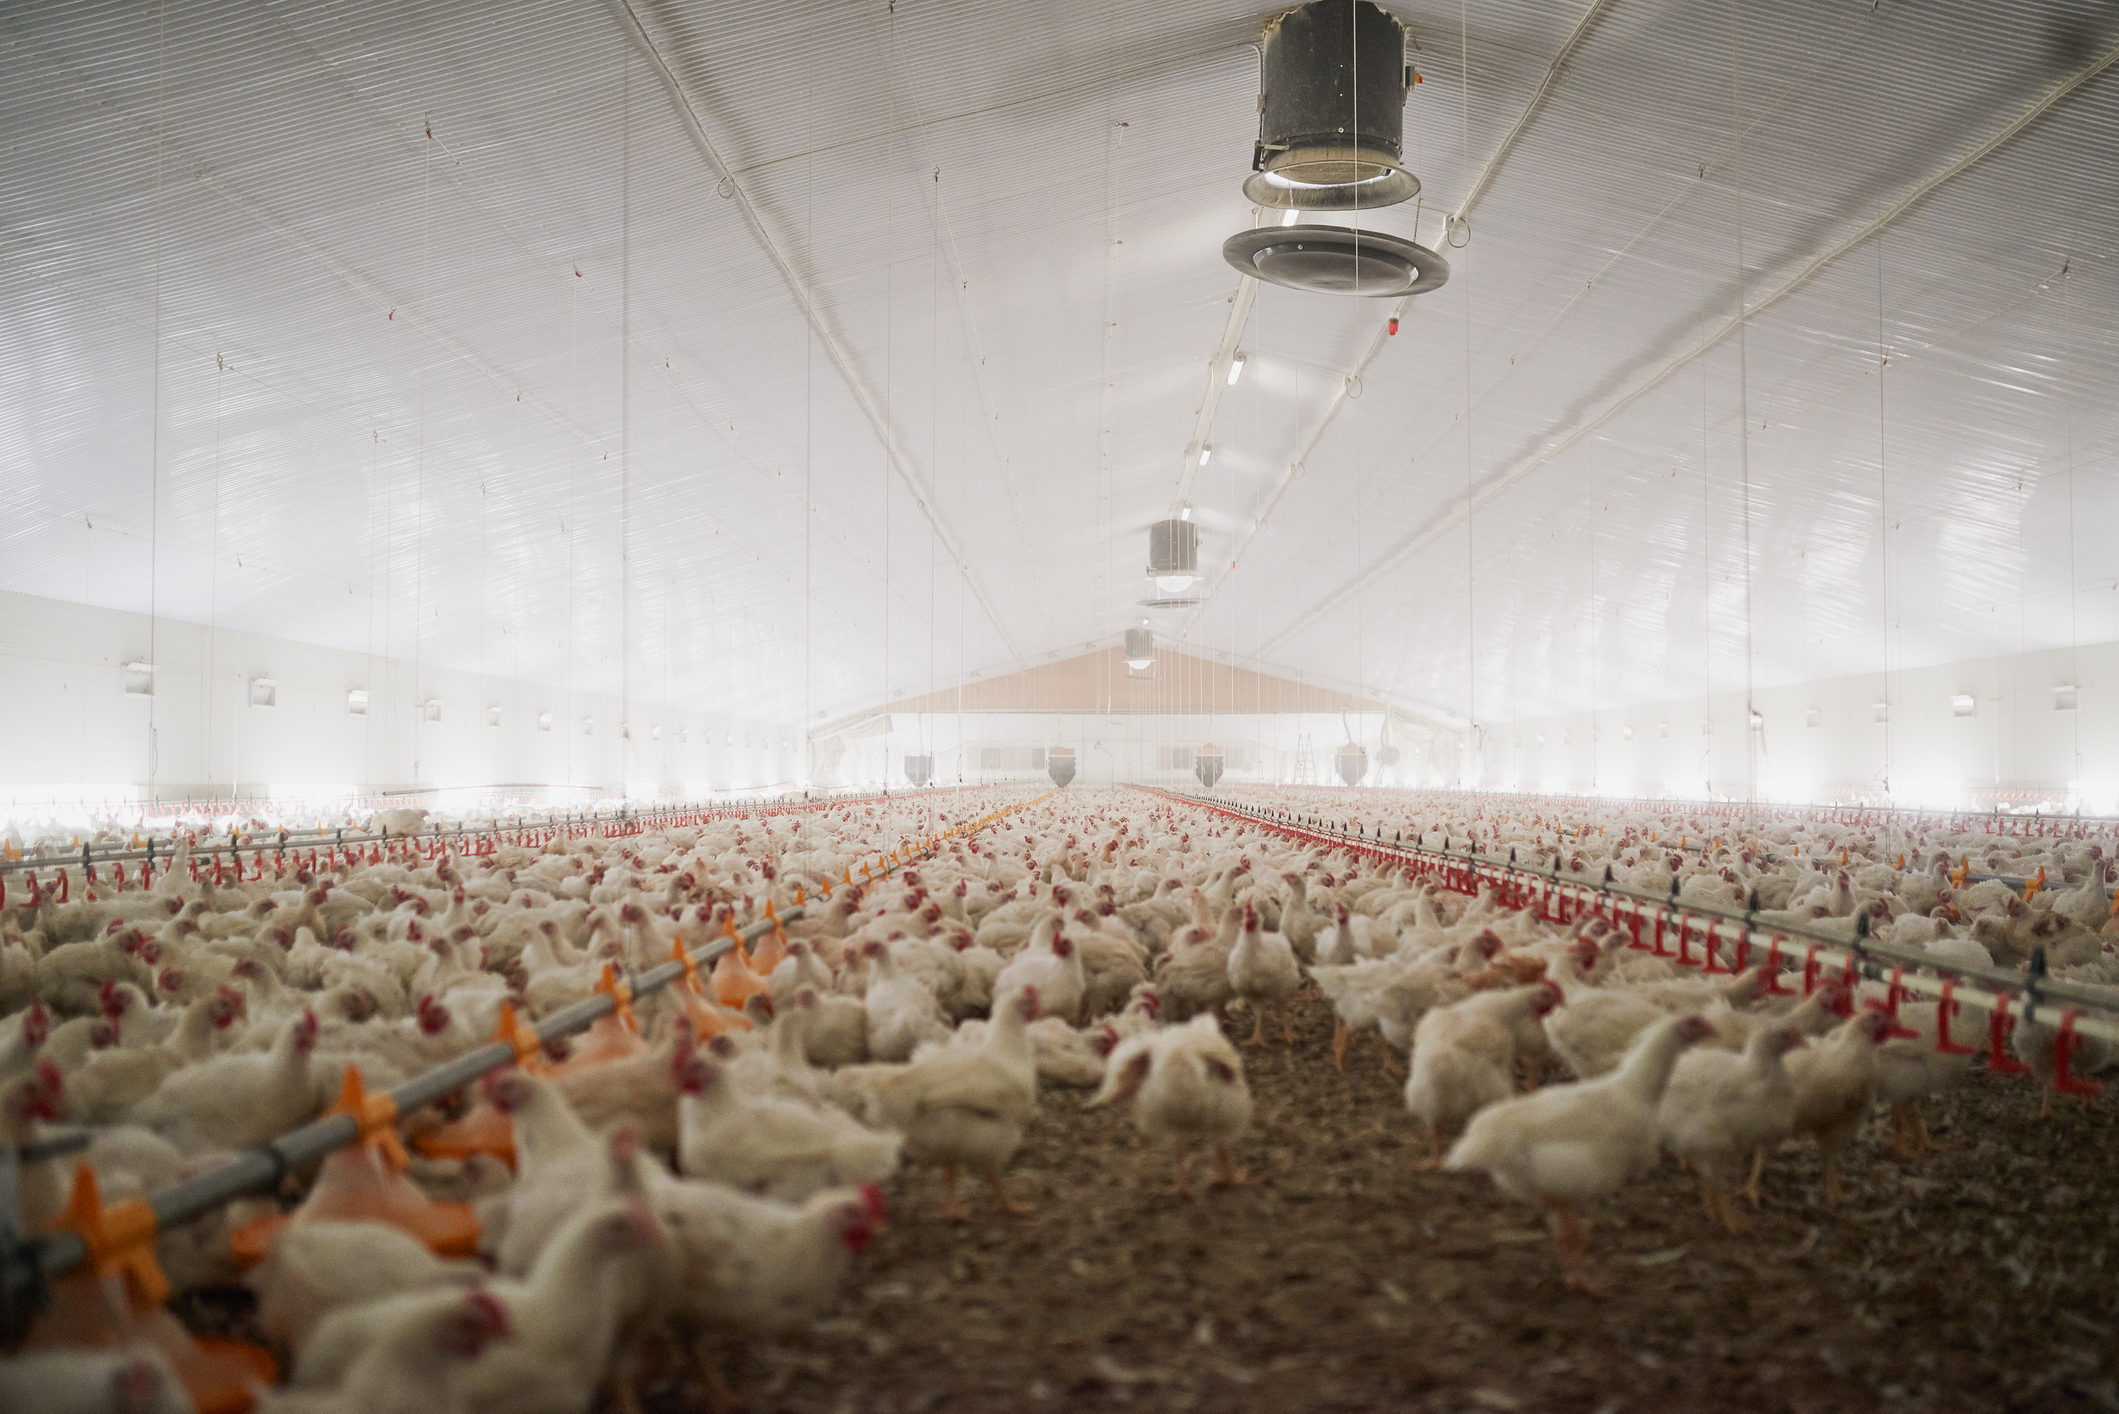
[[359, 1184], [708, 1018], [483, 1130], [1335, 260], [486, 1130], [1206, 764], [772, 947], [609, 1039], [367, 1181], [1059, 764], [735, 981], [116, 1303], [1352, 763]]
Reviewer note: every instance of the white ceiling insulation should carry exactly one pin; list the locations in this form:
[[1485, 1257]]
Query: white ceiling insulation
[[432, 330]]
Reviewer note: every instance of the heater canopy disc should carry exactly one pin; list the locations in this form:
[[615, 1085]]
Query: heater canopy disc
[[1336, 260]]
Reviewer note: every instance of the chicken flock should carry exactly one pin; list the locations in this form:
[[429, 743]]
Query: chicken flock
[[707, 1165]]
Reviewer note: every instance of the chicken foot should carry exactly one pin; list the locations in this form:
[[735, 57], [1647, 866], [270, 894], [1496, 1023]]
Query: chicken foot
[[1006, 1203], [1909, 1132], [1182, 1187], [1227, 1175], [1390, 1058], [1834, 1190], [1570, 1241], [1758, 1169], [1340, 1036], [1258, 1026], [1715, 1199]]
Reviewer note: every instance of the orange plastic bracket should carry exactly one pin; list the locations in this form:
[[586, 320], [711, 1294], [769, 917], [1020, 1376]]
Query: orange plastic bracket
[[374, 1115], [679, 955], [620, 993], [529, 1051], [120, 1238]]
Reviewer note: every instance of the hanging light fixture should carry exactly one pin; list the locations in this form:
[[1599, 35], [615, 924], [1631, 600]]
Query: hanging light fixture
[[1173, 555], [1140, 648]]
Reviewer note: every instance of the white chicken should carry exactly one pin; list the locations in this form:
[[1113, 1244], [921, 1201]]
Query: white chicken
[[757, 1266], [1464, 1057], [403, 1353], [1568, 1145], [902, 1010], [237, 1101], [1835, 1082], [1263, 972], [1188, 1090], [1724, 1110], [769, 1144], [961, 1107], [69, 1381], [1050, 963], [316, 1268]]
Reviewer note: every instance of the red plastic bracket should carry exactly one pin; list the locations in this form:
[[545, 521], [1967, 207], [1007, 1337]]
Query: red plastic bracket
[[2065, 1044], [1684, 956], [1945, 1008], [1714, 962], [1999, 1025]]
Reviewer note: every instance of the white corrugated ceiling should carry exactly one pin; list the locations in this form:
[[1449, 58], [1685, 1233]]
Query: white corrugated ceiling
[[429, 330]]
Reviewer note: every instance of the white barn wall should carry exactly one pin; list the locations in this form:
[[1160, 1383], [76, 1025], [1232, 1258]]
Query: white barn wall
[[66, 721], [1113, 748], [2015, 743]]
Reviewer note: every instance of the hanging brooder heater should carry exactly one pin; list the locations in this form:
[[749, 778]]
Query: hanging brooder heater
[[1140, 649], [919, 769], [1332, 260], [1352, 762], [1059, 764], [1331, 115], [1331, 124], [1173, 556], [1206, 764]]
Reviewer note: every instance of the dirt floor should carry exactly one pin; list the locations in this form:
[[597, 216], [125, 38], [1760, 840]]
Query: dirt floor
[[1981, 1278]]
